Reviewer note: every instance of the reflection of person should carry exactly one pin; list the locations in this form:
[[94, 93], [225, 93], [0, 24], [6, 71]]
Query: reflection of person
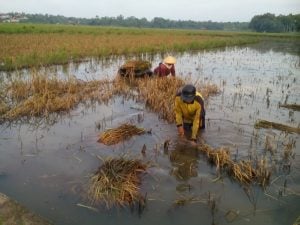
[[185, 162], [166, 67], [189, 111]]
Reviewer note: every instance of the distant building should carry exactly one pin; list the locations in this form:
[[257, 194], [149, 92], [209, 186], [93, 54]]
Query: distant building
[[12, 18], [4, 16]]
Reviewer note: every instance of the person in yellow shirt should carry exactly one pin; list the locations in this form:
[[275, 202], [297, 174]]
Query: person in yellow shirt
[[189, 111]]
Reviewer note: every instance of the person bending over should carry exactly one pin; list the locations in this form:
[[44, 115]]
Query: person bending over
[[189, 111], [166, 68]]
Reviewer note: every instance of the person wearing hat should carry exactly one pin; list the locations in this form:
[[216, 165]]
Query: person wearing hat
[[189, 111], [166, 67]]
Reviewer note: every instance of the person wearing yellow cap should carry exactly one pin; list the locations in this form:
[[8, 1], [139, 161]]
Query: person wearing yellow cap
[[189, 111], [166, 68]]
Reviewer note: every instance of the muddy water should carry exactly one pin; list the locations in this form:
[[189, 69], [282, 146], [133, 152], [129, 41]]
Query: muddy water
[[45, 165]]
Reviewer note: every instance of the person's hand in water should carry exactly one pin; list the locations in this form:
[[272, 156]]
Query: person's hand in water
[[180, 131], [193, 142]]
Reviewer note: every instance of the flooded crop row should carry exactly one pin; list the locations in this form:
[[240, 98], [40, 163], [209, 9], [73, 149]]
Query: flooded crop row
[[47, 166]]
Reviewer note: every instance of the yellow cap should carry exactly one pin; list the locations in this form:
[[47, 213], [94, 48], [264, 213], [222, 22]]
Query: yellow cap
[[170, 60]]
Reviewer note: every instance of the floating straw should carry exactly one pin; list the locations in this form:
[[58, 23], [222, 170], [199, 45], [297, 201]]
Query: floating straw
[[121, 133], [278, 126], [290, 106]]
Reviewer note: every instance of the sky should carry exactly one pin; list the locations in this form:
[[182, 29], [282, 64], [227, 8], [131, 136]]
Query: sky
[[197, 10]]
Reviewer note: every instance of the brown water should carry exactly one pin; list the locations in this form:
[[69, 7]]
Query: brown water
[[45, 165]]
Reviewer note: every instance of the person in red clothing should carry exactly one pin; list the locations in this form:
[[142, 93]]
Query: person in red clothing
[[166, 67]]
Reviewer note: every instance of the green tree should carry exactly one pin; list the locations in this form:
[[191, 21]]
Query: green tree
[[270, 23]]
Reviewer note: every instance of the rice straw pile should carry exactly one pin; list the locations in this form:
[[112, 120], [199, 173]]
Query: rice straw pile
[[121, 133], [136, 64], [243, 171], [116, 182]]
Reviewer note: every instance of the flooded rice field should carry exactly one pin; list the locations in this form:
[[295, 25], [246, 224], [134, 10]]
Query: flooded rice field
[[46, 164]]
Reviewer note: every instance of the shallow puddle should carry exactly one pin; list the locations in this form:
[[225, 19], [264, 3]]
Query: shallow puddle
[[45, 164]]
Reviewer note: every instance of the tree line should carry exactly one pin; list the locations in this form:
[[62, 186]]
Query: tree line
[[260, 23], [121, 21], [270, 23]]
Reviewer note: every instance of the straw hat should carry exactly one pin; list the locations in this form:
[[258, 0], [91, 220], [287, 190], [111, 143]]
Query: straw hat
[[170, 60]]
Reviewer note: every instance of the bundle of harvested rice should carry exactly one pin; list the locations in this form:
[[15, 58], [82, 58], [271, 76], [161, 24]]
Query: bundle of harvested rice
[[135, 68], [244, 172], [116, 182], [121, 133], [277, 126], [137, 64], [220, 158], [290, 106]]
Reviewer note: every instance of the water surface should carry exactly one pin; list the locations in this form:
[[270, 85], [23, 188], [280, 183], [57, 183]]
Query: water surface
[[45, 166]]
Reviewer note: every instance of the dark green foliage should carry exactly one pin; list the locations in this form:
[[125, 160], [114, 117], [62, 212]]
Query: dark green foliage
[[270, 23], [131, 21]]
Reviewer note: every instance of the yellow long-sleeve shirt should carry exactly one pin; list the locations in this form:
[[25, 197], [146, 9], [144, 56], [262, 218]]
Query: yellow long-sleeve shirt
[[189, 112]]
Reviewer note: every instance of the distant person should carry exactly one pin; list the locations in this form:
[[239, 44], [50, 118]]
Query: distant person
[[166, 68], [189, 112]]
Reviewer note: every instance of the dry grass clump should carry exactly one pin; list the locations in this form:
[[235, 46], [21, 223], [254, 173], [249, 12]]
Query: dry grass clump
[[124, 87], [278, 126], [121, 133], [39, 95], [3, 107], [297, 221], [158, 93], [244, 172], [116, 182], [208, 89], [220, 158]]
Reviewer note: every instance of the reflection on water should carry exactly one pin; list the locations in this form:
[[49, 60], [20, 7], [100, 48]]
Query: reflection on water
[[184, 160], [46, 166], [281, 46]]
